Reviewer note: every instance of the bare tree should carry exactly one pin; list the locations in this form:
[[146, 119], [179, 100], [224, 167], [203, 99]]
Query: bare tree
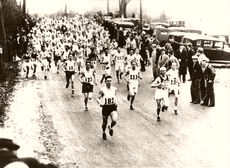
[[122, 7]]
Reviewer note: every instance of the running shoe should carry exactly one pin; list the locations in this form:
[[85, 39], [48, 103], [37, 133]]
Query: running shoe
[[164, 108], [158, 119], [196, 102], [34, 76], [175, 111], [104, 136], [110, 131], [131, 107]]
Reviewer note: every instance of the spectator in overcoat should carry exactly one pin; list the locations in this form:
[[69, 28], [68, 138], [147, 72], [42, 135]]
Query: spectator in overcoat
[[190, 62], [181, 55]]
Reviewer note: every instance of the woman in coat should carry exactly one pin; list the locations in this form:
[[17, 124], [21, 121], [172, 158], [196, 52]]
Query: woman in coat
[[182, 56]]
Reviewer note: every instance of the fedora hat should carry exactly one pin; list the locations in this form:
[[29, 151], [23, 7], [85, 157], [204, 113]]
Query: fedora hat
[[8, 143], [162, 49], [194, 57]]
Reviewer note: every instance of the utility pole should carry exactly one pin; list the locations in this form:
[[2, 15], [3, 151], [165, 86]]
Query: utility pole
[[107, 6], [65, 10], [24, 7], [119, 8], [3, 38], [141, 21], [20, 4]]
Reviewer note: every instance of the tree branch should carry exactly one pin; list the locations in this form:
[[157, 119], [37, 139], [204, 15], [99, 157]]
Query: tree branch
[[127, 1]]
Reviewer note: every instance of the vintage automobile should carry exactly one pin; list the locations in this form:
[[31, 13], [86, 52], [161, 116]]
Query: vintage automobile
[[214, 48], [159, 24], [124, 24], [163, 34], [175, 38]]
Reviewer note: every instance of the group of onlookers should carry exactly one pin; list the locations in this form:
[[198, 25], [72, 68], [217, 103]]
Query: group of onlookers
[[200, 72]]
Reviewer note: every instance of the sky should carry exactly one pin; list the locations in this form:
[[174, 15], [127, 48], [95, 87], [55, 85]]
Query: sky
[[212, 16]]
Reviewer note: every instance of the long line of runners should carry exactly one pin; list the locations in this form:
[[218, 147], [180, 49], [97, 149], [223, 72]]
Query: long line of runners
[[77, 45]]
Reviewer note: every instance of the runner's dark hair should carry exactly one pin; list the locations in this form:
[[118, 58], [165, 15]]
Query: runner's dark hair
[[108, 76]]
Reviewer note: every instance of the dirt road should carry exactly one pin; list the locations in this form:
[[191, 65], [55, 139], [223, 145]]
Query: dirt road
[[51, 125]]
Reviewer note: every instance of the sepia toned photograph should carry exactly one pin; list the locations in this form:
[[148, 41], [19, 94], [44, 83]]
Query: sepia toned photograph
[[114, 84]]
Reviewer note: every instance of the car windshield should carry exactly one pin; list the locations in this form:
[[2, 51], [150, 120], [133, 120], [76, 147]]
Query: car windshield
[[208, 43], [218, 44]]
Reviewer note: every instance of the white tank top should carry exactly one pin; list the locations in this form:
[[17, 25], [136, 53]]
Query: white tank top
[[88, 78], [109, 97], [133, 76], [70, 65], [65, 54], [106, 59], [120, 58]]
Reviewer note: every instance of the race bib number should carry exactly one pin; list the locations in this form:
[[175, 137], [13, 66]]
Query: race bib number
[[88, 80], [109, 101], [103, 67], [120, 58], [70, 68], [133, 77]]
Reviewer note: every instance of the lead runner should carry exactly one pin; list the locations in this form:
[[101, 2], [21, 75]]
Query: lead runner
[[108, 101]]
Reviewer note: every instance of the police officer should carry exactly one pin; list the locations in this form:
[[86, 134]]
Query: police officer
[[196, 77], [208, 76]]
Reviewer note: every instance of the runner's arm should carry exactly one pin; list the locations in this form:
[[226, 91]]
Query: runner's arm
[[139, 75], [94, 76], [156, 83], [116, 97], [81, 76], [126, 74], [101, 94], [64, 66]]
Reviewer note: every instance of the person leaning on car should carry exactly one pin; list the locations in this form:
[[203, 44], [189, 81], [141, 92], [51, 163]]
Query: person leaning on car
[[8, 156], [208, 75]]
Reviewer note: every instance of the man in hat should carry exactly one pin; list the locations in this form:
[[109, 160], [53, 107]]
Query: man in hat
[[163, 59], [172, 59], [16, 165], [195, 85], [200, 54], [8, 155], [190, 52], [208, 75]]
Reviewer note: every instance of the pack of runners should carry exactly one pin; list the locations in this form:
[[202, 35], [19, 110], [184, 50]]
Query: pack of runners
[[77, 45]]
